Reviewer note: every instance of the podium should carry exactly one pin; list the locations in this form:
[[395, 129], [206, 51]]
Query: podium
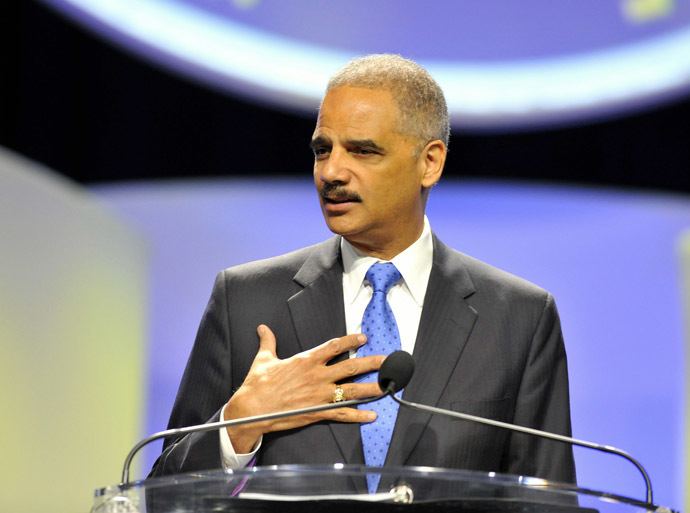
[[342, 488]]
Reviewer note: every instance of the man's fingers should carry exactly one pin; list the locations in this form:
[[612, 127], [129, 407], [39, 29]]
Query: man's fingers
[[359, 390], [267, 340], [354, 366], [329, 350], [339, 415], [349, 415]]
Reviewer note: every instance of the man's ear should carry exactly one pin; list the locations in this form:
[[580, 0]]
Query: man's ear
[[433, 158]]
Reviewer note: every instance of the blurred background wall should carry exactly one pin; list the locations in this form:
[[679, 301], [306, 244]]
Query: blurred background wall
[[589, 200]]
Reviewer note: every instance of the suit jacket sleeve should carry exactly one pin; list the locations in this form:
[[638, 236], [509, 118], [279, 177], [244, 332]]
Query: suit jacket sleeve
[[543, 403], [206, 386]]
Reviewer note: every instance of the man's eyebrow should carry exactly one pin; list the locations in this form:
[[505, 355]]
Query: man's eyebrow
[[364, 143], [318, 141]]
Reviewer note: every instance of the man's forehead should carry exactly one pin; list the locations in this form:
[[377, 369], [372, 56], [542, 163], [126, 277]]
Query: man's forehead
[[356, 113], [358, 103]]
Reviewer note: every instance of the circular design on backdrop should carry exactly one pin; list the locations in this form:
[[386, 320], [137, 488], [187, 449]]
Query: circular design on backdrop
[[501, 64]]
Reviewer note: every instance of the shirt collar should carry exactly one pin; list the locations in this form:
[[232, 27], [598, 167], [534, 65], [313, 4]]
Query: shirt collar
[[414, 264]]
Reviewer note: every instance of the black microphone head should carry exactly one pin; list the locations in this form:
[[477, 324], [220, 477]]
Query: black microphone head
[[397, 369]]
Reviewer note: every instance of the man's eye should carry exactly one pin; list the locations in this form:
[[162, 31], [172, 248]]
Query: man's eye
[[319, 152], [365, 151]]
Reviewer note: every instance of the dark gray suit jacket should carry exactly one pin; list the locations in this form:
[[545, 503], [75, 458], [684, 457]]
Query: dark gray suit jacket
[[488, 344]]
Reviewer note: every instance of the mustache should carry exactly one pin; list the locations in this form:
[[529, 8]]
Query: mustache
[[339, 193]]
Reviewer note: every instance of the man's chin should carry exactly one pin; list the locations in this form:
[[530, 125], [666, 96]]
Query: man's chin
[[340, 225]]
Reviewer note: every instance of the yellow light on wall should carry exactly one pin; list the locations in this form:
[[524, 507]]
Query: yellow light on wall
[[73, 282]]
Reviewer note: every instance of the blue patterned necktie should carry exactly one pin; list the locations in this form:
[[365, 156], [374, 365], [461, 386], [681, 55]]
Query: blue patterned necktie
[[379, 325]]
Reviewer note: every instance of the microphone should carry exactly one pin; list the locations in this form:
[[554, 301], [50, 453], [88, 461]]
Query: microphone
[[398, 368], [396, 371]]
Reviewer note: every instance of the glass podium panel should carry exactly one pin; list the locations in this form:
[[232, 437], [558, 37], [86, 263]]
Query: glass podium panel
[[340, 488]]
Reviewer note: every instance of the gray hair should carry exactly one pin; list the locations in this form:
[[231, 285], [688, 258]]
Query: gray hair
[[420, 100]]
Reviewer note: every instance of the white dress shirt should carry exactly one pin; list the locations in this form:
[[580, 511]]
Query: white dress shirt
[[406, 299]]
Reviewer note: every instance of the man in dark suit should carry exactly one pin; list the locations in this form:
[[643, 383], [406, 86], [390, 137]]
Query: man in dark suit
[[484, 342]]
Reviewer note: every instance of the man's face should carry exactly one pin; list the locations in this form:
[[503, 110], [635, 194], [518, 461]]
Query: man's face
[[368, 177]]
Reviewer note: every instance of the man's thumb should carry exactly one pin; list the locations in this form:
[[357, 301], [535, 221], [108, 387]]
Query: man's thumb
[[267, 340]]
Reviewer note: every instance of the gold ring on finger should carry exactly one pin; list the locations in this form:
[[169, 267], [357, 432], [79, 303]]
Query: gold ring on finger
[[338, 394]]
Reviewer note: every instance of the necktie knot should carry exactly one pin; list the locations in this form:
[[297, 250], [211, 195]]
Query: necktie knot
[[383, 276]]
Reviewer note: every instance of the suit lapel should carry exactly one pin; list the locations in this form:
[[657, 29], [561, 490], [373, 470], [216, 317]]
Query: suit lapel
[[317, 311], [446, 323], [318, 315]]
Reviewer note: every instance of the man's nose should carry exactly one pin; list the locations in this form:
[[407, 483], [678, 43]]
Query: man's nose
[[336, 168]]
